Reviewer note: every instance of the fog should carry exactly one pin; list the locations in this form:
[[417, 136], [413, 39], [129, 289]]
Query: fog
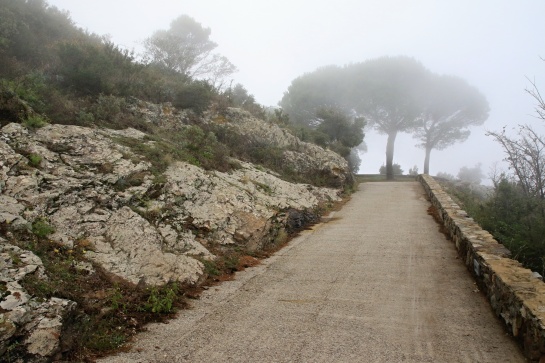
[[493, 44]]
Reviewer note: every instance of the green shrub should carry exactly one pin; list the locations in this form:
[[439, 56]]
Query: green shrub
[[34, 160], [35, 122], [61, 107], [108, 107], [396, 167], [118, 300], [210, 267], [195, 95], [84, 118], [205, 149], [161, 299], [513, 218], [41, 228], [94, 65], [30, 88], [191, 144]]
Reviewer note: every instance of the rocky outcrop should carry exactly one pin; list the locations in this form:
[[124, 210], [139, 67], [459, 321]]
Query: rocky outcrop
[[35, 322], [90, 188], [302, 157], [102, 198], [299, 156]]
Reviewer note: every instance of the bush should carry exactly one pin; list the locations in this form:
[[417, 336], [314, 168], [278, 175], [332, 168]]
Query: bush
[[446, 176], [205, 149], [191, 144], [513, 218], [112, 112], [31, 88], [396, 167], [161, 299], [35, 122], [41, 228], [413, 171], [196, 95], [108, 108], [34, 160], [93, 65]]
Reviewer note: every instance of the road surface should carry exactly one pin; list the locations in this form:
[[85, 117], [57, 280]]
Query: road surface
[[377, 283]]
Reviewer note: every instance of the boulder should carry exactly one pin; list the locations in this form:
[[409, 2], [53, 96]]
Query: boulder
[[302, 157]]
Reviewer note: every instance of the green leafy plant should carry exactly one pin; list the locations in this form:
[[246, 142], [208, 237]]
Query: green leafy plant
[[513, 218], [161, 299], [34, 160], [118, 300], [85, 118]]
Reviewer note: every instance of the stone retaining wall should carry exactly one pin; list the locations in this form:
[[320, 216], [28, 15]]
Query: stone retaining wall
[[515, 293]]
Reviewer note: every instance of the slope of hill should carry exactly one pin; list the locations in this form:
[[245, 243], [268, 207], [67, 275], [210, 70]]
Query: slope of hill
[[125, 186], [93, 226]]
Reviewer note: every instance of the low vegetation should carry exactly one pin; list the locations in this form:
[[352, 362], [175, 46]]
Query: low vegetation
[[110, 310], [514, 219], [514, 212]]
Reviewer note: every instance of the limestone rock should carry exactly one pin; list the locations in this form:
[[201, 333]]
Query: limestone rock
[[101, 197], [132, 249], [303, 157], [238, 206], [23, 315], [76, 189]]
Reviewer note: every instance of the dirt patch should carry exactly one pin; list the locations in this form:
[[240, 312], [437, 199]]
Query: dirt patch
[[247, 261]]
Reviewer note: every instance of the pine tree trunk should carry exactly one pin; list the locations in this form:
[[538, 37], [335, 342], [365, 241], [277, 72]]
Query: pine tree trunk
[[427, 161], [390, 156]]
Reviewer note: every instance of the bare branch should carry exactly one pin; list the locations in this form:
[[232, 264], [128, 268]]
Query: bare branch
[[534, 92]]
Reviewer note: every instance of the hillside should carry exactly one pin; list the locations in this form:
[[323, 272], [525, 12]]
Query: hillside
[[125, 187], [93, 225]]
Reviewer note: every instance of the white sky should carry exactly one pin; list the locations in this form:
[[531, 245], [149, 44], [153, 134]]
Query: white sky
[[493, 44]]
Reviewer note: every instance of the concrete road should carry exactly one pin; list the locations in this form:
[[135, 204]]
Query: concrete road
[[377, 283]]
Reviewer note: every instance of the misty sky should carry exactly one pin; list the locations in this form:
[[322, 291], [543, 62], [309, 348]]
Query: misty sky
[[493, 44]]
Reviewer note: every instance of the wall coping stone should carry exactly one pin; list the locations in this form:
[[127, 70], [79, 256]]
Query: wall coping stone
[[515, 294]]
